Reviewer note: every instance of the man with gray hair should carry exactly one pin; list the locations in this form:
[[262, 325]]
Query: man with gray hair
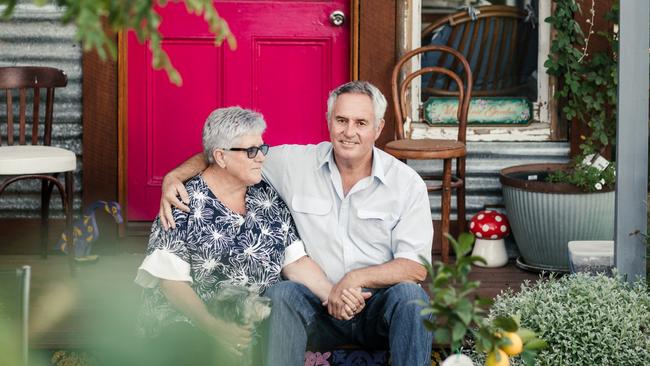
[[365, 221]]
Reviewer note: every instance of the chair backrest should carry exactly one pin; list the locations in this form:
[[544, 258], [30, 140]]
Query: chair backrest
[[500, 46], [463, 80], [26, 82], [14, 312]]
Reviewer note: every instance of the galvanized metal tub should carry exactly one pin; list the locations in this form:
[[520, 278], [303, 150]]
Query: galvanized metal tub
[[544, 216]]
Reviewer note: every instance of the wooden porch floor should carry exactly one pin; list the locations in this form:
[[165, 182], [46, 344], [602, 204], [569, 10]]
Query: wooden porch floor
[[72, 313]]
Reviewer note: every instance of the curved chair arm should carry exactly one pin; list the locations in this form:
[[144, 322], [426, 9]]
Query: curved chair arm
[[463, 103], [397, 87]]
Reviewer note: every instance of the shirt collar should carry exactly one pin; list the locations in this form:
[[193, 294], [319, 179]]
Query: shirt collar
[[377, 169], [326, 157], [378, 164]]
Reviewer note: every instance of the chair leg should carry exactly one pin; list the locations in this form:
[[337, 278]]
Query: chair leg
[[446, 208], [69, 195], [460, 196], [46, 194]]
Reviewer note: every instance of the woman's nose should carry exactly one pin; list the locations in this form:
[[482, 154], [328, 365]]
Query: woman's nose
[[260, 157]]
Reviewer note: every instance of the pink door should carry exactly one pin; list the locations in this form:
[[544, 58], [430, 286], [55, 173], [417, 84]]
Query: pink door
[[289, 56]]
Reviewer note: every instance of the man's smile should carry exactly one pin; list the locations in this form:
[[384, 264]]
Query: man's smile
[[348, 142]]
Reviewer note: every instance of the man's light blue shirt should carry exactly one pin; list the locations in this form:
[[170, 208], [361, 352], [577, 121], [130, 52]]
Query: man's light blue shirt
[[383, 217]]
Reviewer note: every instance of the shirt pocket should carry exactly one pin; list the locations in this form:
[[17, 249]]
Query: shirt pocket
[[311, 205], [374, 227]]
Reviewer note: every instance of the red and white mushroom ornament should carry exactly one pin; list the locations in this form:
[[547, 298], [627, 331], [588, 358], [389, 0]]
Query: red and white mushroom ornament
[[490, 227]]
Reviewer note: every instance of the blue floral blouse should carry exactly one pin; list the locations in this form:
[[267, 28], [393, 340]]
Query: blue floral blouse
[[217, 246]]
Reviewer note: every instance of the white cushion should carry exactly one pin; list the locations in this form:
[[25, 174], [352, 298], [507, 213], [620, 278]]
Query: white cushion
[[28, 159]]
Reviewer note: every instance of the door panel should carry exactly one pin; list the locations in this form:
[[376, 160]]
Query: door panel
[[308, 58], [288, 59]]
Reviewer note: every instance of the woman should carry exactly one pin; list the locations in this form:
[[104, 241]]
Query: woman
[[238, 232]]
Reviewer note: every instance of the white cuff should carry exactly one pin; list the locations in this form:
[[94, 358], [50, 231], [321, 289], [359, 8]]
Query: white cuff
[[293, 252], [162, 265]]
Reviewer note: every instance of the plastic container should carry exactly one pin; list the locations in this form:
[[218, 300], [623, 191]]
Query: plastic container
[[591, 256]]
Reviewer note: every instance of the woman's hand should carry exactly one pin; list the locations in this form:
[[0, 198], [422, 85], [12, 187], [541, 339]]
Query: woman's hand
[[232, 337], [172, 187]]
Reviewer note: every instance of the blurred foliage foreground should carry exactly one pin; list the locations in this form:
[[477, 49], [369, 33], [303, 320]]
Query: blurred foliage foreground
[[88, 320], [98, 21]]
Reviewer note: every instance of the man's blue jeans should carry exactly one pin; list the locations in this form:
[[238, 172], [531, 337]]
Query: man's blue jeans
[[389, 320]]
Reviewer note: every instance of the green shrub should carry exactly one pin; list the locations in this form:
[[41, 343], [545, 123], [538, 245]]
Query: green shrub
[[586, 320]]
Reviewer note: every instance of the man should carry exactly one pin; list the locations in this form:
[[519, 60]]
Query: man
[[365, 220]]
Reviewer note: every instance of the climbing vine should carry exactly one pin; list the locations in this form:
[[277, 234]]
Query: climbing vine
[[588, 85]]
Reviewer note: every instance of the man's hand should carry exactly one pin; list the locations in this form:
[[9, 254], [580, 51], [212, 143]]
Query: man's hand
[[346, 298], [172, 187]]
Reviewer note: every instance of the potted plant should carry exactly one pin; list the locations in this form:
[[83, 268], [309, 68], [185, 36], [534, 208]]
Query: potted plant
[[551, 204], [459, 316], [586, 320]]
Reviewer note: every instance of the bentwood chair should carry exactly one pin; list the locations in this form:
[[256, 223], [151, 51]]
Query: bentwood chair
[[500, 44], [14, 314], [404, 148], [25, 153]]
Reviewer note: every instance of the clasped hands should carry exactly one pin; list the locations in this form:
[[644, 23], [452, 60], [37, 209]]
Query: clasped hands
[[346, 299]]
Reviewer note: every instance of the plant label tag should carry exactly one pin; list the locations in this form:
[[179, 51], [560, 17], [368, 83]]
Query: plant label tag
[[597, 161], [532, 177]]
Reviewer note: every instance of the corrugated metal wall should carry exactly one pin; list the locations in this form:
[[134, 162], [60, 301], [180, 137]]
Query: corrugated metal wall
[[35, 36], [484, 161]]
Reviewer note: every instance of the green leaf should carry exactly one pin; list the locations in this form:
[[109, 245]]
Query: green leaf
[[484, 301], [464, 310], [458, 332], [441, 335], [528, 358], [420, 302], [10, 5], [535, 344], [429, 324], [441, 279], [525, 334], [506, 323], [477, 259], [465, 241], [447, 296], [454, 243]]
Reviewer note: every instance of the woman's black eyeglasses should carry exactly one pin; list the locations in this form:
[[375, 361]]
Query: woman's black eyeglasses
[[251, 151]]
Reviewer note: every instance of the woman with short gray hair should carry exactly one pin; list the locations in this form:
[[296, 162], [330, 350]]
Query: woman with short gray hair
[[238, 231]]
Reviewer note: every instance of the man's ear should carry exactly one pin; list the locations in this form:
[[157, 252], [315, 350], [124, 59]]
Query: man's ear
[[219, 158], [379, 129]]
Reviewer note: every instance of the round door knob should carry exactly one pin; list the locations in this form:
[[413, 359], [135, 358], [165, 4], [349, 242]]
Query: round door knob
[[337, 18]]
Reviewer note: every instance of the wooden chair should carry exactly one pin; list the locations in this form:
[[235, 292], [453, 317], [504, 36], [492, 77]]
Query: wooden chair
[[497, 45], [36, 160], [430, 149]]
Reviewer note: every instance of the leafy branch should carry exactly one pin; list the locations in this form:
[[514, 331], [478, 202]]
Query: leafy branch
[[456, 311], [90, 18]]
